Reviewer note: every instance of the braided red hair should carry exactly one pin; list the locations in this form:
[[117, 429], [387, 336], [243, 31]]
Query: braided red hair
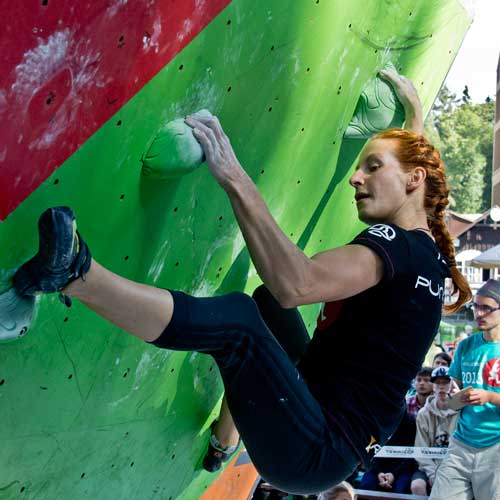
[[412, 151]]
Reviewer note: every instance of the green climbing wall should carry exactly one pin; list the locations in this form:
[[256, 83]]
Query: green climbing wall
[[89, 412]]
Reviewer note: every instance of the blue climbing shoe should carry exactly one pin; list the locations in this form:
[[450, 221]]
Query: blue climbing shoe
[[62, 256]]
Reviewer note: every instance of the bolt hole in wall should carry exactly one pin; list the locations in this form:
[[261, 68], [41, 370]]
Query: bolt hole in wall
[[22, 489], [50, 98], [56, 182], [119, 123], [83, 475], [45, 3], [2, 381], [122, 197], [121, 41]]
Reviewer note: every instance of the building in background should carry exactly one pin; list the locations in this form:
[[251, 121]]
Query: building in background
[[472, 235]]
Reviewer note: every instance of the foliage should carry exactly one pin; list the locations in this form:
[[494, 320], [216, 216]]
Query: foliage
[[463, 132]]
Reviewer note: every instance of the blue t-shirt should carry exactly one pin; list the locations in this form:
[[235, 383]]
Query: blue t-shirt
[[477, 364]]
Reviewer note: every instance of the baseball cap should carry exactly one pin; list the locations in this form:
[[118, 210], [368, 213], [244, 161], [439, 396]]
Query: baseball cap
[[490, 289], [440, 371]]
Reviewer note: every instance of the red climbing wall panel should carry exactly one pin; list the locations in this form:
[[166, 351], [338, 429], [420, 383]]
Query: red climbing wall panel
[[67, 67]]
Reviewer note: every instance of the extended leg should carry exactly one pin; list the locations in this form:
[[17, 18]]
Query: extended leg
[[142, 310]]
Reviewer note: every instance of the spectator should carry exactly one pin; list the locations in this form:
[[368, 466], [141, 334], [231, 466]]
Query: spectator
[[433, 351], [393, 474], [441, 359], [471, 467], [435, 424], [423, 388], [342, 491]]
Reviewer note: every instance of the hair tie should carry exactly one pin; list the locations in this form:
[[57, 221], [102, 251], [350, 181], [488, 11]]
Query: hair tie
[[451, 262]]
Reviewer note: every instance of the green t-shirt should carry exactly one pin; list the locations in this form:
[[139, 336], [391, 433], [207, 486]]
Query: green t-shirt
[[477, 364]]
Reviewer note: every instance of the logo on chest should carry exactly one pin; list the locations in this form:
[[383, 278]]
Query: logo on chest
[[491, 372], [383, 231]]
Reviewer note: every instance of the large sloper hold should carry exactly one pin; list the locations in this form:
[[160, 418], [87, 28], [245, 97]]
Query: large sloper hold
[[378, 109], [174, 151]]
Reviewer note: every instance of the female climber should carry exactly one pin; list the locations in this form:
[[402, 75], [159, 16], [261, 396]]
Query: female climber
[[307, 427]]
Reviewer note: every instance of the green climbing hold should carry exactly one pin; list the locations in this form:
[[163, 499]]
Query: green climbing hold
[[16, 315], [174, 151], [378, 109]]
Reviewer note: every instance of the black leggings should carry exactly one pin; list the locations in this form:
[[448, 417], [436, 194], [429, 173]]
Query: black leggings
[[281, 423]]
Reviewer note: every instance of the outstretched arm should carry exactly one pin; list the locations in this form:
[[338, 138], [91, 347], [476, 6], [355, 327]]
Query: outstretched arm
[[407, 94], [292, 277]]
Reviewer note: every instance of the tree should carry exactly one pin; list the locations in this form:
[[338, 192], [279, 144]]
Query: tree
[[463, 132]]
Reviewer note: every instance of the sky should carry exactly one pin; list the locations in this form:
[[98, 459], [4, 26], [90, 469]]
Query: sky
[[477, 59]]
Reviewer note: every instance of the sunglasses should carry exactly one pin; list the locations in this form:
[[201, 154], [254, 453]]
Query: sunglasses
[[484, 310]]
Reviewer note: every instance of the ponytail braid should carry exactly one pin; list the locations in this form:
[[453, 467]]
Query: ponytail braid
[[415, 150]]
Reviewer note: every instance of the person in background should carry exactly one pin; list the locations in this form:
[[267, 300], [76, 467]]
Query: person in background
[[432, 352], [393, 474], [342, 491], [423, 389], [436, 422], [471, 467], [441, 359]]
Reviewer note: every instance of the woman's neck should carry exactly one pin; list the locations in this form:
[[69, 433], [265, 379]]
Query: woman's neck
[[407, 217]]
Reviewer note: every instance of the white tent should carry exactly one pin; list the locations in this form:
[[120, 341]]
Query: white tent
[[467, 255], [489, 259]]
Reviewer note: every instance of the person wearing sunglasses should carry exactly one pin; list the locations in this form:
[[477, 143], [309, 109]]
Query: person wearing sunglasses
[[471, 468]]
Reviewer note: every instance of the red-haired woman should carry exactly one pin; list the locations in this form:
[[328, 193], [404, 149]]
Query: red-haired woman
[[305, 428]]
